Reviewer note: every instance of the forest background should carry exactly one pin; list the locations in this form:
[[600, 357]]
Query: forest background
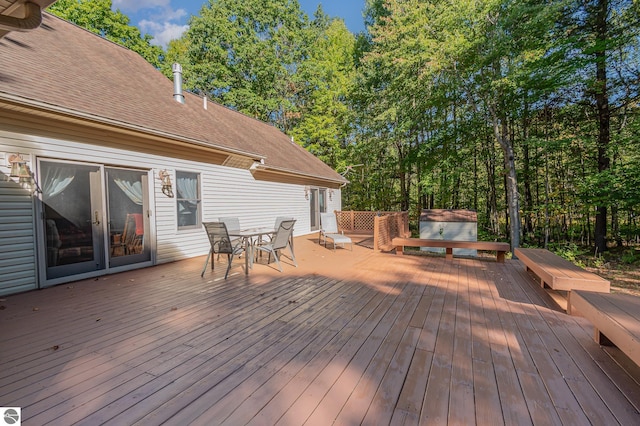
[[525, 111]]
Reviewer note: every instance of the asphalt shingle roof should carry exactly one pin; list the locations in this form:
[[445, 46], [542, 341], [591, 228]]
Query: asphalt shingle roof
[[65, 67]]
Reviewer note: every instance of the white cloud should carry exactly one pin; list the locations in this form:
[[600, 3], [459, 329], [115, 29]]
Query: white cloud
[[162, 32], [173, 15], [157, 18]]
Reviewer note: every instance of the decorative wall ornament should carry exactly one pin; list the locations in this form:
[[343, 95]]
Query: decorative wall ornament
[[20, 169], [165, 178]]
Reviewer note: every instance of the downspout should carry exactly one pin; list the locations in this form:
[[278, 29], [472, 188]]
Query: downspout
[[32, 19]]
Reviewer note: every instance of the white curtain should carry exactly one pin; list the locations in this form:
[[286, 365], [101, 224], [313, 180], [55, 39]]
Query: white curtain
[[187, 188], [57, 177], [132, 189]]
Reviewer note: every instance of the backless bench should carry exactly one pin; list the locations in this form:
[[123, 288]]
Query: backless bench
[[615, 318], [560, 274], [449, 245]]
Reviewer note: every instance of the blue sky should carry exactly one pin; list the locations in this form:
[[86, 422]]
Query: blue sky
[[167, 19]]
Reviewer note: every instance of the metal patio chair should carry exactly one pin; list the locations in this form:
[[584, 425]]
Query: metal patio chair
[[280, 240], [221, 244], [233, 223]]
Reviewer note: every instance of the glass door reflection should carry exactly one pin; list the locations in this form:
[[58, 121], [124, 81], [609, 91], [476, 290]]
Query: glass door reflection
[[128, 223], [72, 215]]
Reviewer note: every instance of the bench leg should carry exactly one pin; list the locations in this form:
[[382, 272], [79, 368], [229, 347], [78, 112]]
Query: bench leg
[[399, 250], [500, 257], [600, 338], [449, 254]]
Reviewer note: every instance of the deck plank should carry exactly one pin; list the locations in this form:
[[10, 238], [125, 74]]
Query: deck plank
[[349, 341], [302, 349], [437, 394], [549, 335], [371, 338], [131, 360], [462, 392], [509, 361], [359, 384], [485, 387], [257, 397], [196, 362]]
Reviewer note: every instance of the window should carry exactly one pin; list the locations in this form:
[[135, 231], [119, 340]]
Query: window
[[188, 198]]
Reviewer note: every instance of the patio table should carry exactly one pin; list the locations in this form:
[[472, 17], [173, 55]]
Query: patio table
[[247, 236]]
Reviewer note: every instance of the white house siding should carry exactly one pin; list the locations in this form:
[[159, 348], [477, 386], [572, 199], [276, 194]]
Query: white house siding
[[334, 202], [17, 247], [225, 192]]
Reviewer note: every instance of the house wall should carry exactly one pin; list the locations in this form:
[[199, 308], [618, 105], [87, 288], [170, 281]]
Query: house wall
[[225, 192], [17, 237]]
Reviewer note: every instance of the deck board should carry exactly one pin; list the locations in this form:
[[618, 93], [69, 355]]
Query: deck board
[[347, 338]]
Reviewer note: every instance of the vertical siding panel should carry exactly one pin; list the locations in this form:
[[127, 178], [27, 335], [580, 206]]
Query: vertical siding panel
[[17, 238]]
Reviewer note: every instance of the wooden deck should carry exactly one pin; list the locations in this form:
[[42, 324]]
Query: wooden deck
[[347, 338]]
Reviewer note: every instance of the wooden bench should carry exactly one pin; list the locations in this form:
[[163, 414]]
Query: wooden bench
[[615, 318], [560, 274], [448, 245]]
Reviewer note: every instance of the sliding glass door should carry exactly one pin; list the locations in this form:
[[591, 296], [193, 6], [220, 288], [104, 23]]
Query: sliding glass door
[[93, 217], [317, 205], [72, 218], [128, 221]]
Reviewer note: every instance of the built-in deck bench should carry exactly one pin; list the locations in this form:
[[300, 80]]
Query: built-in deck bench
[[615, 318], [560, 274], [448, 245]]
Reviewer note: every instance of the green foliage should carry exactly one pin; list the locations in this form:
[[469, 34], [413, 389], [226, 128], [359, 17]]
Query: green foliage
[[630, 257], [98, 17], [448, 91], [274, 64], [569, 251], [246, 54], [323, 127]]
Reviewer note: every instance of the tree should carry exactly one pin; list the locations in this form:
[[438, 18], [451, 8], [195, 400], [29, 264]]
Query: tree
[[601, 44], [599, 15], [245, 54], [467, 61], [98, 17], [328, 72]]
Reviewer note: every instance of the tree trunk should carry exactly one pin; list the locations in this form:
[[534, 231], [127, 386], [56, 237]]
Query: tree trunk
[[502, 136], [547, 215], [528, 197], [492, 196], [475, 177], [604, 118]]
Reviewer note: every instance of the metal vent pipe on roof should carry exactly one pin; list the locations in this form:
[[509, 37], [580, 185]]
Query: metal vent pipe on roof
[[177, 83], [32, 19]]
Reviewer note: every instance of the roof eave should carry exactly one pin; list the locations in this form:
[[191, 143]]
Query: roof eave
[[307, 177], [61, 111]]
